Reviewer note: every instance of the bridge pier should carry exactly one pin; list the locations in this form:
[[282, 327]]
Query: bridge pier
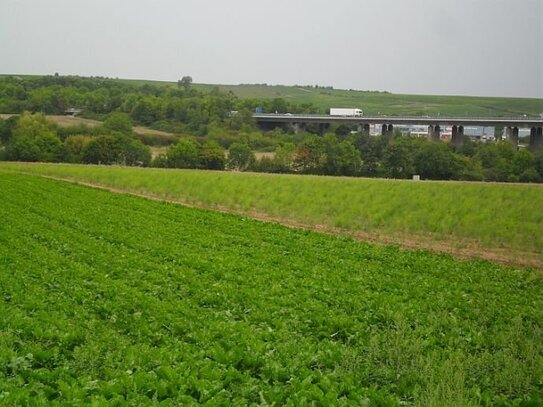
[[536, 138], [387, 130], [318, 123], [363, 128], [366, 129], [434, 132], [512, 135], [298, 127], [323, 128], [457, 135]]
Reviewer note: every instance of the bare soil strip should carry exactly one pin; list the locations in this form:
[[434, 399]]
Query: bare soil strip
[[461, 249]]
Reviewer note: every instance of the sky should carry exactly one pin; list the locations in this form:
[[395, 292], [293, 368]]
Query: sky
[[453, 47]]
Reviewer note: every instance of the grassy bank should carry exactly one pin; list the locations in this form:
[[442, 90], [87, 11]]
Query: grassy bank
[[505, 219], [113, 299], [374, 103]]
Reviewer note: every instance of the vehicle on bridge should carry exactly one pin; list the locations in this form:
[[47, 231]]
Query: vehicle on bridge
[[334, 111]]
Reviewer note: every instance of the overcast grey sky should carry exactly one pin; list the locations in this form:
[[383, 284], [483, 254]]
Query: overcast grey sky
[[471, 47]]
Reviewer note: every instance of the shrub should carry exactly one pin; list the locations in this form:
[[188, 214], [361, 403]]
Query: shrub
[[240, 157], [212, 156], [183, 155]]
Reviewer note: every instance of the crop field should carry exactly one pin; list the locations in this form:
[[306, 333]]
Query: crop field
[[502, 222], [374, 103], [111, 298]]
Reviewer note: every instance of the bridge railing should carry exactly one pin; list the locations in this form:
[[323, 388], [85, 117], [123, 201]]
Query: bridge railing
[[397, 117], [522, 117]]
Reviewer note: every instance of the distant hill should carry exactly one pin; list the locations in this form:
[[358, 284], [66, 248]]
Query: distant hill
[[389, 103], [374, 103]]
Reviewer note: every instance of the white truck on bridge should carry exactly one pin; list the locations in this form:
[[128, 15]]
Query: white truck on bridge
[[334, 111]]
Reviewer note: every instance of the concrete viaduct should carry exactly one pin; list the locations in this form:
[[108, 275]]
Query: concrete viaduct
[[435, 124]]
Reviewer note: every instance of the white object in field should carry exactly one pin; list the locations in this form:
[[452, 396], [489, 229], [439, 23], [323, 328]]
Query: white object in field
[[335, 111], [416, 177]]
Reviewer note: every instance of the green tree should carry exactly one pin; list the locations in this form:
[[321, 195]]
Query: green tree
[[116, 148], [50, 147], [278, 105], [75, 145], [436, 161], [310, 156], [538, 163], [184, 154], [470, 169], [134, 152], [212, 156], [398, 160], [102, 150], [23, 149], [34, 139], [185, 82], [120, 122], [31, 125], [284, 157], [340, 158], [342, 130], [146, 111], [6, 129], [240, 157], [530, 175], [242, 119], [522, 161]]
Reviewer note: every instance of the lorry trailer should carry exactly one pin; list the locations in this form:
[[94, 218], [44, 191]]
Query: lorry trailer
[[334, 111]]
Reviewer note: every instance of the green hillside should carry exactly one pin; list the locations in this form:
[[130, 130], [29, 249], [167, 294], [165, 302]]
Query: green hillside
[[373, 103]]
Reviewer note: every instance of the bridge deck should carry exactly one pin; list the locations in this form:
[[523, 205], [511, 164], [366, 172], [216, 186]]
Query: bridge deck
[[523, 122]]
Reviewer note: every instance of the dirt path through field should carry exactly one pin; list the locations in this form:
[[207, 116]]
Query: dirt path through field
[[465, 249]]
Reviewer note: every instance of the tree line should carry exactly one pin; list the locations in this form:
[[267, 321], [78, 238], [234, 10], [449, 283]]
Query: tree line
[[179, 109], [216, 131]]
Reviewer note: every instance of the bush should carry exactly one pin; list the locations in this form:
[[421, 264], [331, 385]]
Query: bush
[[119, 122], [183, 155], [116, 149], [212, 156], [23, 149], [530, 175], [240, 157], [75, 145]]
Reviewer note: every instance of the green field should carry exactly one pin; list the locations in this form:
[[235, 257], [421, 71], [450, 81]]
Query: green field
[[497, 221], [371, 102], [374, 103], [109, 298]]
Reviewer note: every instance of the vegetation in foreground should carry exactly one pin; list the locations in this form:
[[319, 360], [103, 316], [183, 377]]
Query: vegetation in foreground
[[485, 218], [107, 298]]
